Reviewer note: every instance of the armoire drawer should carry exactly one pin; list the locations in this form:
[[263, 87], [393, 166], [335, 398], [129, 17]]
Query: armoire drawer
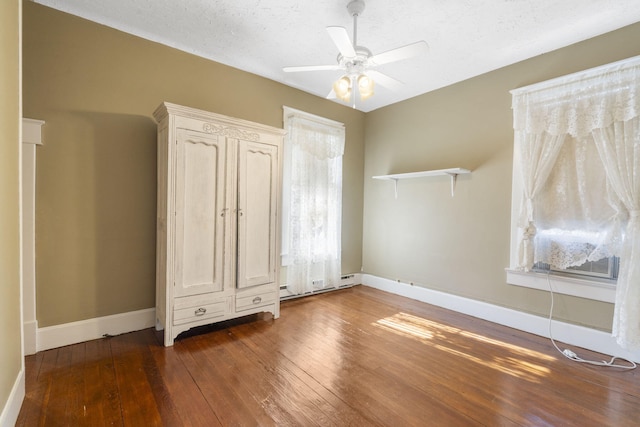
[[196, 309], [257, 300]]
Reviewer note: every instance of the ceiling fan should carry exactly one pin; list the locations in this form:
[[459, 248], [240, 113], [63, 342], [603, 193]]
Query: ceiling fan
[[358, 61]]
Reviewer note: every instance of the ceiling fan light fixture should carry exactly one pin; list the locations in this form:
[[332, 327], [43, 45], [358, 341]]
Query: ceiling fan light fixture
[[342, 88], [365, 86], [357, 61]]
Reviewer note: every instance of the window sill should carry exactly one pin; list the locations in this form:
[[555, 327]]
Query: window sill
[[579, 287]]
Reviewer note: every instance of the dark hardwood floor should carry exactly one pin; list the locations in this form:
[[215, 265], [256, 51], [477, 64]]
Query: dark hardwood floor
[[355, 357]]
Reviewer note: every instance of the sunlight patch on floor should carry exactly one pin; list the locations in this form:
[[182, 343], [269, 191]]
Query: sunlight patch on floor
[[452, 340], [511, 347]]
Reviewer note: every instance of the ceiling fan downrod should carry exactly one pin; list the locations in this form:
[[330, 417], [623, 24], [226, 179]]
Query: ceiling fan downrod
[[355, 8]]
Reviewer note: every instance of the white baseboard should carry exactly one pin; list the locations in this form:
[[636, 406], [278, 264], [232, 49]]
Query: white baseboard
[[91, 329], [30, 337], [11, 409], [592, 339]]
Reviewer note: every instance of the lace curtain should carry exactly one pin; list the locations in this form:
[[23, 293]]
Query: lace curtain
[[578, 215], [619, 148], [538, 153], [315, 204], [597, 108]]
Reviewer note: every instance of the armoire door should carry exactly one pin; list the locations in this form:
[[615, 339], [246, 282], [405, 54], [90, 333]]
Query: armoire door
[[199, 213], [258, 182]]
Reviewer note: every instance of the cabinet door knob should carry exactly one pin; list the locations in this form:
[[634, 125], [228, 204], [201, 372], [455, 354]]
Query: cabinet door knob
[[257, 300], [200, 312]]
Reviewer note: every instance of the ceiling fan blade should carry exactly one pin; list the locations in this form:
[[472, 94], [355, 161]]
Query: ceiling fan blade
[[341, 39], [384, 80], [311, 68], [404, 52]]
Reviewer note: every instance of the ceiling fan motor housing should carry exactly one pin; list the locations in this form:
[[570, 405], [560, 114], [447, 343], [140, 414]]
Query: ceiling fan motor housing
[[356, 64]]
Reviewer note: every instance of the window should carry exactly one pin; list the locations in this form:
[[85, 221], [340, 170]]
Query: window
[[572, 248], [574, 194], [574, 238], [312, 201], [572, 213]]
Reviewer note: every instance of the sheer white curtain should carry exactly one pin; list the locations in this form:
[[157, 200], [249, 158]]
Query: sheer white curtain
[[619, 147], [577, 212], [599, 106], [538, 153], [315, 214]]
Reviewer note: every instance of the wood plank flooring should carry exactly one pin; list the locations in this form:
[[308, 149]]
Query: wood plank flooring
[[355, 357]]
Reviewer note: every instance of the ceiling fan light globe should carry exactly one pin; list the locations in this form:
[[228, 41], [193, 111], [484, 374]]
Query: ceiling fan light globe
[[342, 88], [364, 82], [365, 95], [365, 86], [346, 96]]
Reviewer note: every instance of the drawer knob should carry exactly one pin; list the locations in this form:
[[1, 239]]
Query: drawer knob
[[200, 312], [257, 300]]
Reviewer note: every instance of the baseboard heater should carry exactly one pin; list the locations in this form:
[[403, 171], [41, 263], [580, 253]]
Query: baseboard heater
[[346, 281]]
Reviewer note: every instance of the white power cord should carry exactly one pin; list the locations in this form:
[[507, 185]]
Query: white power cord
[[569, 354]]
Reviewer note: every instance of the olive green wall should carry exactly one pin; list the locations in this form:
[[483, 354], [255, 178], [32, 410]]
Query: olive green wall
[[97, 88], [460, 245], [10, 330]]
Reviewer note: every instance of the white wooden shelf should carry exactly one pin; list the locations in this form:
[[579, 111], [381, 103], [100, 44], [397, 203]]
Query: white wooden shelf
[[452, 172]]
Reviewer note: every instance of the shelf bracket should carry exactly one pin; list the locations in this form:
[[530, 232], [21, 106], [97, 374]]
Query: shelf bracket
[[395, 187], [454, 178]]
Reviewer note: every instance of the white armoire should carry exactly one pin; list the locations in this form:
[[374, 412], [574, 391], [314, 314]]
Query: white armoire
[[218, 223]]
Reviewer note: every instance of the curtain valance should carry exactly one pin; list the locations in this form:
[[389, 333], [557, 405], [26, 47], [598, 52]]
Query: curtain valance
[[579, 103], [318, 139]]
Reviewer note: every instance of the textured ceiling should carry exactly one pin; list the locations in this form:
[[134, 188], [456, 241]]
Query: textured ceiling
[[465, 37]]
